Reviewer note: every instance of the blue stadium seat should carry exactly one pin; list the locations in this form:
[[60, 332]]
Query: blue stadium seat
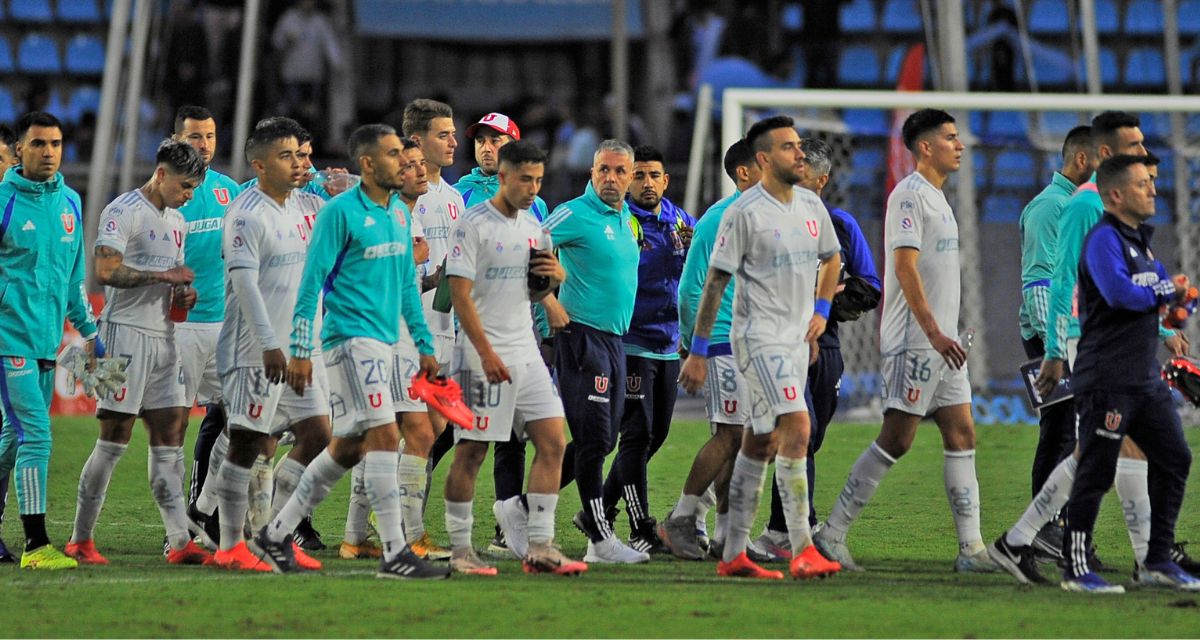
[[78, 11], [84, 99], [1155, 125], [1144, 67], [895, 60], [1007, 124], [858, 65], [1015, 169], [1048, 17], [1144, 17], [1057, 124], [867, 168], [85, 55], [1189, 17], [38, 53], [1002, 209], [8, 107], [1108, 17], [901, 16], [1166, 169], [870, 122], [7, 65], [792, 17], [858, 16], [30, 10], [1110, 69]]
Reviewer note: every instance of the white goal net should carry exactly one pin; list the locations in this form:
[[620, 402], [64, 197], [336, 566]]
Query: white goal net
[[1013, 147]]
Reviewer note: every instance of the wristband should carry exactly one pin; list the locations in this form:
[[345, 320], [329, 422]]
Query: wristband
[[98, 348], [822, 307], [699, 346]]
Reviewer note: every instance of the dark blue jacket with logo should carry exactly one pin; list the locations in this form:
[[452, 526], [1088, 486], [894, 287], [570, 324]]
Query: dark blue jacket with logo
[[856, 261], [655, 324], [1121, 286]]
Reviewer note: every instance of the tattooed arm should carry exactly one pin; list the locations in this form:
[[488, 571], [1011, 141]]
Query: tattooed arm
[[111, 272]]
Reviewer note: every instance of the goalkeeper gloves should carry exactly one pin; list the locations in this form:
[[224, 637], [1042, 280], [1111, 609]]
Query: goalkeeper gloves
[[104, 378]]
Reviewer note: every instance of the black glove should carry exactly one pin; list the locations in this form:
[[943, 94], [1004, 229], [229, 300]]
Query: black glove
[[856, 298], [1184, 375]]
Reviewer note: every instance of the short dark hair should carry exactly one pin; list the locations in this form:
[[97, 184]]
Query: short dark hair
[[266, 135], [7, 136], [818, 154], [647, 153], [1151, 160], [920, 123], [190, 112], [761, 128], [302, 134], [364, 139], [180, 158], [409, 143], [35, 119], [1106, 124], [419, 114], [737, 155], [517, 153], [1114, 172], [1078, 139]]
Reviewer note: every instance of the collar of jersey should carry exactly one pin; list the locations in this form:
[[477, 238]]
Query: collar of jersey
[[22, 183], [1142, 234], [668, 212], [368, 203]]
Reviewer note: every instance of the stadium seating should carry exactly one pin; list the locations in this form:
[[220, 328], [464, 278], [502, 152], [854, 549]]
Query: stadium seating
[[1144, 17], [1144, 67], [1189, 17], [8, 107], [1108, 17], [30, 11], [7, 64], [866, 167], [1004, 209], [79, 11], [85, 55], [901, 16], [1048, 17], [859, 65], [38, 53], [858, 16], [791, 18], [1013, 169], [895, 60], [1057, 124], [1007, 124], [84, 99], [870, 122], [1109, 69]]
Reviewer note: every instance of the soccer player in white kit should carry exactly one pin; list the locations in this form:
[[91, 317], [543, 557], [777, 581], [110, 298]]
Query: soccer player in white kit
[[139, 259], [500, 368], [924, 369], [264, 243], [779, 241]]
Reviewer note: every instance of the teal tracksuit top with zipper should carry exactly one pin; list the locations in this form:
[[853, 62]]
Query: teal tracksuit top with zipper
[[205, 215], [360, 258], [42, 267]]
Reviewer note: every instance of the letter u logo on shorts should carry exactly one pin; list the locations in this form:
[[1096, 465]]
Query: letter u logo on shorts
[[255, 411], [789, 393], [376, 400], [730, 407], [913, 395], [601, 384], [119, 395], [483, 422]]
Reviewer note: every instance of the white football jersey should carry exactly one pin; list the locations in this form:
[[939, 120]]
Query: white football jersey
[[918, 216], [492, 250], [436, 212], [150, 240], [272, 241], [774, 250]]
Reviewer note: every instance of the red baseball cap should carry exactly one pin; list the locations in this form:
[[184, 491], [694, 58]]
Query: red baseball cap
[[497, 121]]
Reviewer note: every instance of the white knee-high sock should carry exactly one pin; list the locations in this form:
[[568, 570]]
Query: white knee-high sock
[[319, 477], [93, 487], [383, 491], [233, 500], [287, 475], [745, 489], [460, 518], [1134, 493], [721, 530], [687, 506], [791, 476], [167, 487], [962, 490], [206, 502], [540, 529], [866, 474], [410, 474], [1049, 501], [360, 508], [708, 500], [262, 483]]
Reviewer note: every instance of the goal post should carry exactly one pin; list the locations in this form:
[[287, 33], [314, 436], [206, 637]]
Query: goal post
[[1013, 146]]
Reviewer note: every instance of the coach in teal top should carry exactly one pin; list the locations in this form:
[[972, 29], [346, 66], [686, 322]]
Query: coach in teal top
[[202, 252], [695, 271], [599, 250], [43, 272]]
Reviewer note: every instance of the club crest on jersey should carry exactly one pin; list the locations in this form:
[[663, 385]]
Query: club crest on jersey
[[601, 384], [633, 384], [452, 209], [222, 195], [17, 362], [1112, 420], [913, 395], [730, 407], [68, 220], [178, 235], [303, 232], [812, 227], [789, 393]]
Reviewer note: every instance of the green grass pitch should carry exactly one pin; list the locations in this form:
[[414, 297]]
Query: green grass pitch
[[905, 539]]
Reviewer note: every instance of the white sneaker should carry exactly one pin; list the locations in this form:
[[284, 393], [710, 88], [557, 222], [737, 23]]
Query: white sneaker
[[612, 551], [775, 544], [514, 523], [832, 548]]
